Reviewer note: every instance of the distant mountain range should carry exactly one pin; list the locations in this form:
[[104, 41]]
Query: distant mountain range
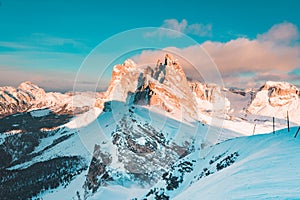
[[152, 135]]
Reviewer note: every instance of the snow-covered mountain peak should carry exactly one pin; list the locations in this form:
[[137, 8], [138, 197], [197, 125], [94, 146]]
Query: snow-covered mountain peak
[[164, 85], [277, 93], [275, 99], [28, 96], [174, 64], [280, 88], [32, 89], [121, 69], [129, 63], [28, 86]]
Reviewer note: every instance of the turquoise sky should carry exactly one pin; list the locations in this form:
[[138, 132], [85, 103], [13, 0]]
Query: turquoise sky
[[48, 40]]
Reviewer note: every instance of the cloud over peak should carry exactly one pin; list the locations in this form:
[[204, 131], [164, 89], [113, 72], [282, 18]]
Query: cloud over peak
[[273, 54]]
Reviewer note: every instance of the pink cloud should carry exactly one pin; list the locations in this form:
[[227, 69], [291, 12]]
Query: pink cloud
[[243, 54], [273, 52], [284, 32]]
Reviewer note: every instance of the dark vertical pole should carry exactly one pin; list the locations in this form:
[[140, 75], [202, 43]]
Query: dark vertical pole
[[273, 125], [297, 132], [288, 120], [254, 129]]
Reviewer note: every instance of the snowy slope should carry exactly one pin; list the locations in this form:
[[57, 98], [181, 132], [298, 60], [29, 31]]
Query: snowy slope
[[256, 164], [255, 167], [267, 167]]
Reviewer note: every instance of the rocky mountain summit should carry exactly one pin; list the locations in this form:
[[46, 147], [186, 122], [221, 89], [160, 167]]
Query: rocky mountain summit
[[164, 85]]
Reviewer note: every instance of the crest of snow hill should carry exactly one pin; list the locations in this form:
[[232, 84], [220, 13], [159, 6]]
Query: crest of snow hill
[[139, 146]]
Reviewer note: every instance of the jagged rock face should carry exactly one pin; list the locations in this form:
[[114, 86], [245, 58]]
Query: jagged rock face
[[280, 93], [98, 169], [174, 88], [141, 147], [274, 94], [211, 93], [137, 151], [155, 95], [160, 91], [29, 96], [124, 80], [200, 90], [165, 86], [207, 92], [275, 99]]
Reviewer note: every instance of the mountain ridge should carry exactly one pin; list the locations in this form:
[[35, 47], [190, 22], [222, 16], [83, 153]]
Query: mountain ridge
[[28, 96], [150, 130]]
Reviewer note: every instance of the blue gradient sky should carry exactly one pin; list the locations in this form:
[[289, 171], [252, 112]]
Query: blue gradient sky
[[46, 41]]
